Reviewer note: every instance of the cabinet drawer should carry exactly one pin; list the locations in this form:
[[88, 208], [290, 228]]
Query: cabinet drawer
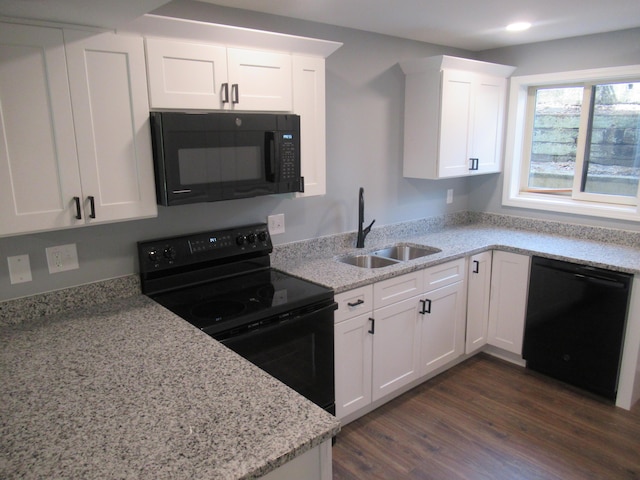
[[353, 302], [396, 289], [445, 274]]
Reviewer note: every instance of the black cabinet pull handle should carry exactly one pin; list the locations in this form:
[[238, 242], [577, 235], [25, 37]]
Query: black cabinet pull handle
[[355, 304], [225, 93], [372, 330], [78, 211], [426, 306], [474, 164], [476, 266], [235, 93], [92, 203]]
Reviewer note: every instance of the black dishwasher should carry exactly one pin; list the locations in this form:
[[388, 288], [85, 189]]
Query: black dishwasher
[[575, 323]]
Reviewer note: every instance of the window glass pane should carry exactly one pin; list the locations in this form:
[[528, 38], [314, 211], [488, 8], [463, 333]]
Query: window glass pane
[[555, 133], [612, 158]]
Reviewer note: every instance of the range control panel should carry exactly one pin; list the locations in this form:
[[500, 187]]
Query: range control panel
[[202, 247]]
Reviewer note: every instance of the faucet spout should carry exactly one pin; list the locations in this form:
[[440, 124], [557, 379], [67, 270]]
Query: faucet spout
[[362, 233]]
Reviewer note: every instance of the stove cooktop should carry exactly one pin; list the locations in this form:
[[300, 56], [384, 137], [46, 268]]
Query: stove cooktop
[[253, 298]]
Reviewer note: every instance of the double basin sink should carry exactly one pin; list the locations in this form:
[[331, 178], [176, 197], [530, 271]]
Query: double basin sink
[[389, 256]]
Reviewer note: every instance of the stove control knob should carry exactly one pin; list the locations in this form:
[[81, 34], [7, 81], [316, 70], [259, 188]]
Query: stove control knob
[[262, 236], [251, 238], [241, 240], [153, 255], [169, 253]]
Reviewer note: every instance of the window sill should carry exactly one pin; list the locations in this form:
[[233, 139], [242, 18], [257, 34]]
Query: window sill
[[550, 203]]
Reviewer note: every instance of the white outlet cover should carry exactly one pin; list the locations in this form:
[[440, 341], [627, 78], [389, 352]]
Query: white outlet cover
[[19, 269], [62, 258], [276, 224]]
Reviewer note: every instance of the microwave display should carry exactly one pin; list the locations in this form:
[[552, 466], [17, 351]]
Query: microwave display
[[205, 157]]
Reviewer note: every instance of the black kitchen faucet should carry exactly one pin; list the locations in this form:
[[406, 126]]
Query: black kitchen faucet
[[362, 234]]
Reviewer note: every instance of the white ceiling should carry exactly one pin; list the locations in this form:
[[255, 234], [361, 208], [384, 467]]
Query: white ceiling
[[469, 24]]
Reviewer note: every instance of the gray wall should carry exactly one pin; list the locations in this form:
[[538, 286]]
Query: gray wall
[[365, 104], [593, 51]]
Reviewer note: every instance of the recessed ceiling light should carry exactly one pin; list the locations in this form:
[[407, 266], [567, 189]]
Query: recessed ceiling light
[[518, 26]]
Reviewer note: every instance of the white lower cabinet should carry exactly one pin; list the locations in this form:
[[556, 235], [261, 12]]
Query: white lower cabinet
[[396, 347], [508, 304], [478, 294], [384, 342]]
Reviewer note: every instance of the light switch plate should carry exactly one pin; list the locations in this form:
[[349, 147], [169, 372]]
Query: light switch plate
[[62, 258], [276, 223], [19, 269]]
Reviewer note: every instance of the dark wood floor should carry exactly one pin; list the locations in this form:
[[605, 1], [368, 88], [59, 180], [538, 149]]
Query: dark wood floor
[[488, 419]]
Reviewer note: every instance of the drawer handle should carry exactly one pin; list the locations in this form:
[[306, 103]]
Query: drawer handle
[[355, 304], [426, 306], [372, 330]]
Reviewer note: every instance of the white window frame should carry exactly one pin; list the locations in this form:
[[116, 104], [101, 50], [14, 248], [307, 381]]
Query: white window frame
[[516, 143]]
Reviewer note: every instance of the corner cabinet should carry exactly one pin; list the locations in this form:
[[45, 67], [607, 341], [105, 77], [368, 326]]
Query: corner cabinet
[[74, 147], [454, 117]]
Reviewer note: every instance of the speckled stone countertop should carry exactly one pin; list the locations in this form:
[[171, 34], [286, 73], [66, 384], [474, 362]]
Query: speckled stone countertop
[[128, 390], [317, 260]]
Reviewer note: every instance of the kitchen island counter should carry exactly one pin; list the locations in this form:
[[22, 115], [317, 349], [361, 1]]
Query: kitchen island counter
[[128, 390]]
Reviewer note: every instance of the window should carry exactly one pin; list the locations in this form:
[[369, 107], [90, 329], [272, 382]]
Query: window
[[573, 143]]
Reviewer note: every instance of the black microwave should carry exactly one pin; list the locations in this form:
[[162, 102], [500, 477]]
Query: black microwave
[[207, 157]]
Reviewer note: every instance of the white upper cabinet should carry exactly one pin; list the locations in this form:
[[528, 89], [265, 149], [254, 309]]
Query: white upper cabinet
[[62, 166], [39, 174], [260, 81], [309, 103], [454, 117], [186, 75], [189, 75], [111, 114]]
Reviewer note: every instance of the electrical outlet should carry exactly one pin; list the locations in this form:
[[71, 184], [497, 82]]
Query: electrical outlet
[[276, 224], [62, 258], [450, 195], [19, 269]]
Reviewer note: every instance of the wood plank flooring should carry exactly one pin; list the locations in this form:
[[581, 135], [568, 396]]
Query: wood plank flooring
[[489, 419]]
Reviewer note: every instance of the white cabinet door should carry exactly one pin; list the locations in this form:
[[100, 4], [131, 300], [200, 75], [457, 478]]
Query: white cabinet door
[[478, 294], [396, 347], [186, 75], [488, 123], [309, 103], [111, 114], [39, 175], [455, 123], [442, 326], [508, 304], [260, 81], [353, 362]]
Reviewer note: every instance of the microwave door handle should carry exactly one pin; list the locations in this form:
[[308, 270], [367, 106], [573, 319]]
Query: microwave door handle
[[269, 155]]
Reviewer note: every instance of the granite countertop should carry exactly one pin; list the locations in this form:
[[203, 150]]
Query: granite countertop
[[128, 390], [318, 262]]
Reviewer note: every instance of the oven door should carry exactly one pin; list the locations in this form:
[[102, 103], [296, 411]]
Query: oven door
[[297, 351]]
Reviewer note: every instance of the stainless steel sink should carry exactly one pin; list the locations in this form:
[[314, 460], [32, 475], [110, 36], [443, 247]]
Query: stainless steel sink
[[404, 252], [368, 261]]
